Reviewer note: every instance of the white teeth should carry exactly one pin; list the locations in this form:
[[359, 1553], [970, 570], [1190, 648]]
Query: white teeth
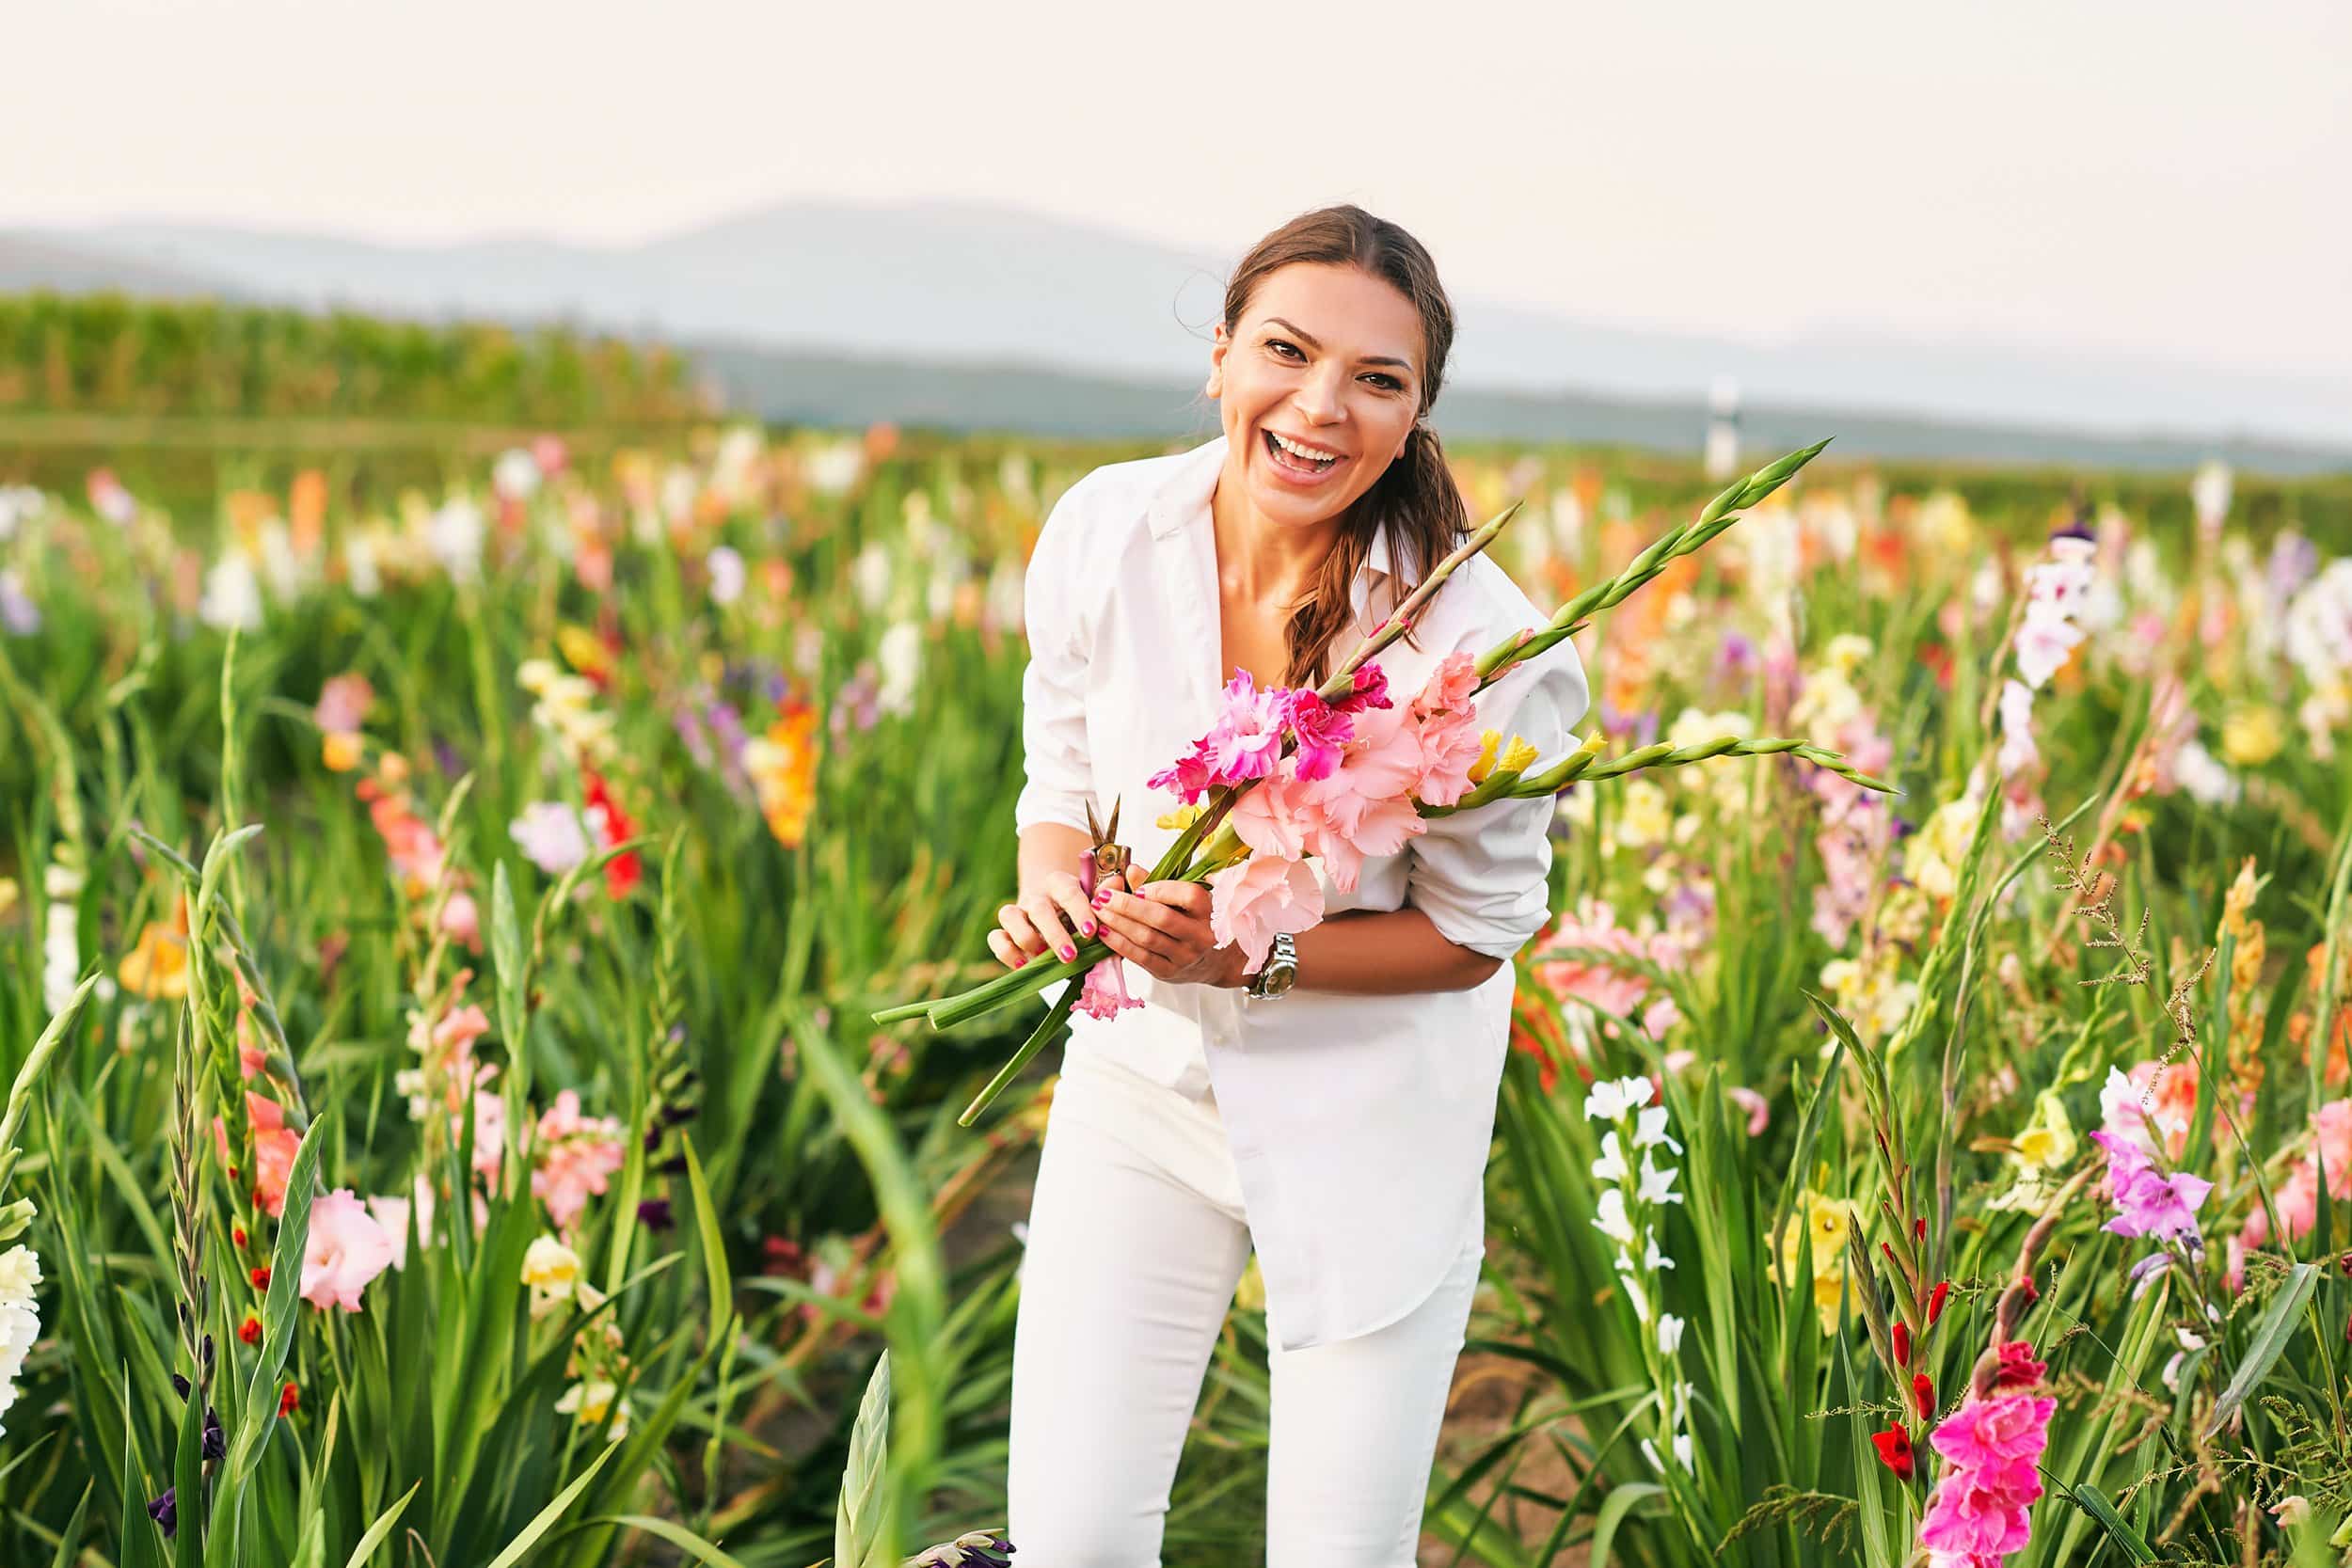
[[1297, 450]]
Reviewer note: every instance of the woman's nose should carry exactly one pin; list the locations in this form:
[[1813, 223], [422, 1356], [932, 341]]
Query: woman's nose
[[1319, 397]]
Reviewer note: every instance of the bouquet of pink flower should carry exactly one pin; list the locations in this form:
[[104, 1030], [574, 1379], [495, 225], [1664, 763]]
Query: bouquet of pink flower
[[1344, 772]]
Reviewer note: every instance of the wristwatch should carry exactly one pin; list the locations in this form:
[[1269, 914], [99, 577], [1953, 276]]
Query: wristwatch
[[1280, 970]]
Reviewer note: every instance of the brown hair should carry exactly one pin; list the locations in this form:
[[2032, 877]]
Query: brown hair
[[1426, 516]]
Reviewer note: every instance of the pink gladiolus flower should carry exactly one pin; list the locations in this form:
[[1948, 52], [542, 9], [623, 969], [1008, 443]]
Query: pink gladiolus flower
[[1449, 746], [1260, 897], [342, 704], [576, 1155], [1277, 818], [462, 920], [346, 1249], [2297, 1198], [1365, 806], [1979, 1511], [1248, 736], [1760, 1110], [1104, 993], [1320, 729], [1577, 982]]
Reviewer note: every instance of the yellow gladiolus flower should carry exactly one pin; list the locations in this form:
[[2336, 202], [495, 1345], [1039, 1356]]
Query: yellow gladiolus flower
[[2251, 734], [1181, 818], [1488, 745], [340, 751]]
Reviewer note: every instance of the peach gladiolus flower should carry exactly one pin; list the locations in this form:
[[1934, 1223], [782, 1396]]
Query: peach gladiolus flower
[[346, 1249], [274, 1146], [1261, 898], [576, 1155]]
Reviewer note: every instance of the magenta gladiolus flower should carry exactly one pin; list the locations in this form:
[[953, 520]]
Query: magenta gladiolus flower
[[2147, 1202], [1371, 690], [1189, 776], [1320, 729]]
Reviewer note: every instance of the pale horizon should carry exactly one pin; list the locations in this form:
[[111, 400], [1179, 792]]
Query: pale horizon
[[2154, 183]]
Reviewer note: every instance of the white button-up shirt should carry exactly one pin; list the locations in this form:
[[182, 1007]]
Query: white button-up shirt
[[1360, 1124]]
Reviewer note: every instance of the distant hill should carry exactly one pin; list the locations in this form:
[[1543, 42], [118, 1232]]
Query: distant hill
[[833, 311]]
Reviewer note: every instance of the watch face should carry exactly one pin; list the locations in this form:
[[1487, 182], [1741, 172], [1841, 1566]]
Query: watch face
[[1278, 976]]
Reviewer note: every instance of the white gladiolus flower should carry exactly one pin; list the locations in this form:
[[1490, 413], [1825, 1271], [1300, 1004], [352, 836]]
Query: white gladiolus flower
[[1658, 1185], [1610, 1218], [870, 575], [901, 656], [1610, 1101], [1650, 1129], [456, 536], [1669, 1334], [1610, 1166], [232, 595], [20, 1318], [1639, 1297], [516, 474], [727, 575]]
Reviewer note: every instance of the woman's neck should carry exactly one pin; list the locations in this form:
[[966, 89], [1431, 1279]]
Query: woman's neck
[[1262, 562]]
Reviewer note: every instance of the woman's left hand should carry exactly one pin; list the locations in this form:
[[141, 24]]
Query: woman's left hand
[[1163, 929]]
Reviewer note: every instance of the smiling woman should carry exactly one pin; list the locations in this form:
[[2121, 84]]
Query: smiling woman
[[1226, 1112]]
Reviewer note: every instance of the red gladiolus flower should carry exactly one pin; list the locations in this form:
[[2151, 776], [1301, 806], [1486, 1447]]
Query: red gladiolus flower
[[236, 1234], [1923, 1394], [290, 1400], [612, 826], [261, 1277], [250, 1330], [1901, 1333], [1935, 1300], [1894, 1446], [2018, 1369], [1920, 1229]]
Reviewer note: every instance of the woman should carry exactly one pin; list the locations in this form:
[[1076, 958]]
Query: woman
[[1339, 1124]]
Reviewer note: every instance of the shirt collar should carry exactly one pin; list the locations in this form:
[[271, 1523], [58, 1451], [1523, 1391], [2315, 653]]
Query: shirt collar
[[1186, 496]]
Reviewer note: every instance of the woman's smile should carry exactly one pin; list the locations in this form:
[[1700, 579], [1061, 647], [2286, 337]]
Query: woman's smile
[[1304, 472]]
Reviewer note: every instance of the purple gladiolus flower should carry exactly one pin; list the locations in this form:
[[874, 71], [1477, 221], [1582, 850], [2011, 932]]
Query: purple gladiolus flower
[[165, 1511]]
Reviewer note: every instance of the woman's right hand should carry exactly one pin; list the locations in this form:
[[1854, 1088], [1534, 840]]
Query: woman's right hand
[[1045, 921]]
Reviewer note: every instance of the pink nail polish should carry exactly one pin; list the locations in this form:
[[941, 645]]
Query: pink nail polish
[[1087, 929], [1068, 953]]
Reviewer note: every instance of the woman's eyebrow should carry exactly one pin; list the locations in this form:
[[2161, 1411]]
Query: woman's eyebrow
[[1309, 339]]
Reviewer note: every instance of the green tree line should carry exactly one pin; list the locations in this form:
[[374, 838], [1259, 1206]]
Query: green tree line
[[114, 354]]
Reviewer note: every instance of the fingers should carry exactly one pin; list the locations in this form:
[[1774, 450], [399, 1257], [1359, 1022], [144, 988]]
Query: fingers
[[1156, 930], [1054, 918]]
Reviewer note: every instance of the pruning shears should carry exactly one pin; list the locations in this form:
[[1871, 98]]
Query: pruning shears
[[1103, 860]]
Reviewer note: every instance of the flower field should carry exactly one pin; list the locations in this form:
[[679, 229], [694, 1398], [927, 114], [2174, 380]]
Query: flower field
[[446, 1123]]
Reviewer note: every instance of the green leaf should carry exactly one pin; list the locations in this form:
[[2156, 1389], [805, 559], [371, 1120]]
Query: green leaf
[[520, 1546], [382, 1527], [2094, 1502], [2269, 1343], [1613, 1508], [857, 1518], [676, 1535], [714, 1247]]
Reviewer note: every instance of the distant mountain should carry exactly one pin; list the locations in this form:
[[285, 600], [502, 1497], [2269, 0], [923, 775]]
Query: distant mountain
[[943, 286], [29, 261]]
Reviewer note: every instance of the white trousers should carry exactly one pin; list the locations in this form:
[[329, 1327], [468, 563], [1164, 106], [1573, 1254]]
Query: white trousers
[[1136, 1238]]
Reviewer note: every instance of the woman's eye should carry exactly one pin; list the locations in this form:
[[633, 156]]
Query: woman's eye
[[1394, 385], [1277, 343]]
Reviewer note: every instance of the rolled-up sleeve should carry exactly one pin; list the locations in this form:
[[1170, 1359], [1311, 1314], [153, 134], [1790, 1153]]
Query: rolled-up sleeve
[[1481, 876], [1057, 771]]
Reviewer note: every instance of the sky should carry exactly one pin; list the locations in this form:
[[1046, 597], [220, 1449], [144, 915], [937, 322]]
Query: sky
[[2162, 178]]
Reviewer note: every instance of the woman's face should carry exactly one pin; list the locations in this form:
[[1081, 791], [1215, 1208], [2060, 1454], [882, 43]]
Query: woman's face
[[1329, 358]]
